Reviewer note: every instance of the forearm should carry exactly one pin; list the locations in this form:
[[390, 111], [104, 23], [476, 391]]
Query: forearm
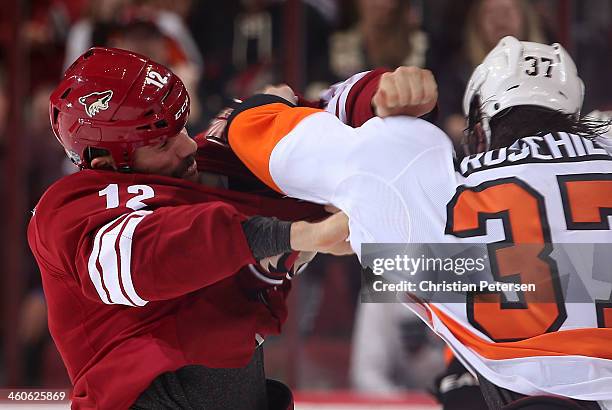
[[270, 236], [351, 100], [267, 236]]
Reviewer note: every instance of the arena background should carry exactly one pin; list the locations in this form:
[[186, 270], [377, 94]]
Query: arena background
[[335, 353]]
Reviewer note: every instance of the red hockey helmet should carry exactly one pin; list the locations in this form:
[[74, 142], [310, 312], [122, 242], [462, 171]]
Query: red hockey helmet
[[118, 101]]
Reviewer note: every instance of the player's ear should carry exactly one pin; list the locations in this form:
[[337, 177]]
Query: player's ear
[[105, 162]]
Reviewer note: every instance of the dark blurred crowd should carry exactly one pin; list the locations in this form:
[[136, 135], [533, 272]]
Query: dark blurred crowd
[[232, 48]]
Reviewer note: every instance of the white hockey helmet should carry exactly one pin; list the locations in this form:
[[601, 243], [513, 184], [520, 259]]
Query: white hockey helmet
[[524, 73]]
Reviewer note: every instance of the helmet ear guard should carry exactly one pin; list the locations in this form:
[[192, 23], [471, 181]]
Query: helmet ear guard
[[519, 73]]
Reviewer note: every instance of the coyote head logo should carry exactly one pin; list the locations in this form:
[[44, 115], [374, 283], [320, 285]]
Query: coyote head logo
[[96, 102]]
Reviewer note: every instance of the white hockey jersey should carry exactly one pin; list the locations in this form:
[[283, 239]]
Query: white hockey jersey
[[397, 181]]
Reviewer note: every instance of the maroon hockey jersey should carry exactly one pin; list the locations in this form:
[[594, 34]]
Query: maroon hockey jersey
[[144, 274]]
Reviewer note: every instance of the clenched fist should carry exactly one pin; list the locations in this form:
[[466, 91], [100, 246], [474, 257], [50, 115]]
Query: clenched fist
[[326, 236], [406, 91]]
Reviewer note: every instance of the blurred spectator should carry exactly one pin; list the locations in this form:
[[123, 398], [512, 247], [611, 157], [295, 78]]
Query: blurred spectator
[[329, 283], [42, 363], [386, 35], [149, 27], [3, 194], [92, 29], [244, 43], [490, 20], [44, 33], [47, 163], [446, 27], [321, 18], [180, 8], [145, 37], [44, 29], [487, 21], [3, 108], [592, 35], [257, 31], [46, 158], [327, 292], [548, 12], [104, 16], [393, 350], [169, 16], [32, 332]]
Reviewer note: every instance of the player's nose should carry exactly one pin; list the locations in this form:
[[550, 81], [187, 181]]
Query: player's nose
[[186, 145]]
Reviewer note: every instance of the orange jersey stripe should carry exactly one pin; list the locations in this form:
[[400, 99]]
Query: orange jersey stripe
[[254, 133], [592, 342]]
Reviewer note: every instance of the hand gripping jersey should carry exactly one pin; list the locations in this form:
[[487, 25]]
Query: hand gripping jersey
[[145, 274], [396, 180]]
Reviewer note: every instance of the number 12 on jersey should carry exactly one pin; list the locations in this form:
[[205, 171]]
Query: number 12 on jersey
[[142, 192]]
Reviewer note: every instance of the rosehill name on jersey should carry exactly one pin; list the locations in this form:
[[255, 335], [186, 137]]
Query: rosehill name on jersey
[[557, 147]]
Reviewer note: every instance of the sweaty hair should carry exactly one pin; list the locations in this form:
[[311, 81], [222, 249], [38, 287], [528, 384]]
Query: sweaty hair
[[528, 120]]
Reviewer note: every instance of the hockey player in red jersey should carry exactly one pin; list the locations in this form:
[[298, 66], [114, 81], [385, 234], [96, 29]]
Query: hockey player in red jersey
[[156, 294], [534, 172]]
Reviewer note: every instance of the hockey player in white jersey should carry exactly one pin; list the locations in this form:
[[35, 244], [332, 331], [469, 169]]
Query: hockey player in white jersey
[[533, 172]]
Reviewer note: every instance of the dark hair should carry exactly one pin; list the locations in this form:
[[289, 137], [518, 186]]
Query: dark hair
[[529, 120]]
